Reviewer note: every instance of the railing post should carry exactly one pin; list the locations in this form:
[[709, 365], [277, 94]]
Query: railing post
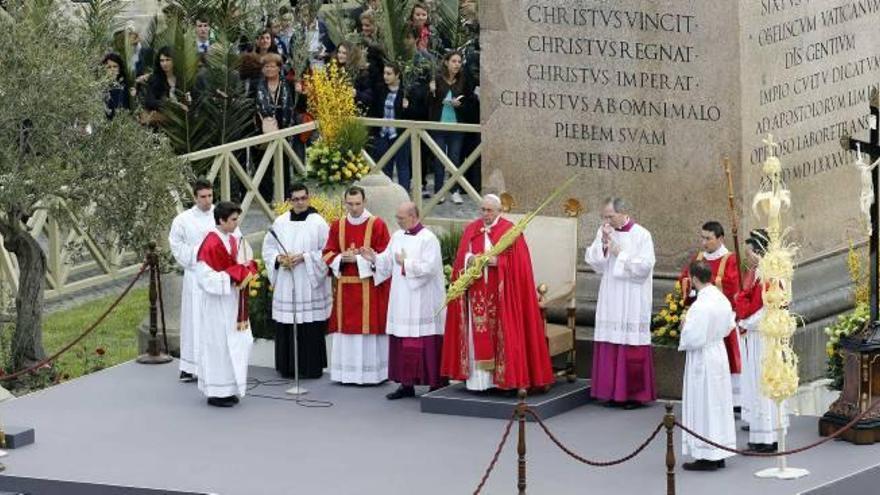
[[153, 355], [521, 443], [279, 173], [415, 164], [669, 423], [225, 180]]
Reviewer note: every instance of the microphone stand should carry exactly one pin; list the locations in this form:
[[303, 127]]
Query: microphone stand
[[296, 389]]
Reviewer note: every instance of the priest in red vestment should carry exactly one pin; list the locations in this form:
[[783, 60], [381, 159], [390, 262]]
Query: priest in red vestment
[[357, 321], [225, 267], [725, 276], [495, 335]]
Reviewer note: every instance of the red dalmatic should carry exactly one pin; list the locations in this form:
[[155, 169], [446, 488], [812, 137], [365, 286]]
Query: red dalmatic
[[214, 254], [725, 276], [359, 306], [509, 334]]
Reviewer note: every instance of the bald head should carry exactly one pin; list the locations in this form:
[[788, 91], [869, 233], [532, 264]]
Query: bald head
[[407, 215]]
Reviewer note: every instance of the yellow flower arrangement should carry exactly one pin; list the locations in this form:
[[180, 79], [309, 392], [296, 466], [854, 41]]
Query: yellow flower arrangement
[[331, 100], [665, 324], [330, 209]]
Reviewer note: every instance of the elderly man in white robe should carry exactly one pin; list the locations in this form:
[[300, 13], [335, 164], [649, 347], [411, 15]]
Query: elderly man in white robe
[[416, 318], [187, 232], [707, 397], [292, 251], [623, 254], [224, 270]]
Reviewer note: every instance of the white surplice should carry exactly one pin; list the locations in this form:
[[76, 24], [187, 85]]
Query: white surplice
[[357, 358], [305, 290], [187, 232], [758, 411], [623, 309], [417, 287], [224, 349], [707, 401]]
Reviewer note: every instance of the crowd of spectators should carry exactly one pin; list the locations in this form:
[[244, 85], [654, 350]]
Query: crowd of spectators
[[437, 79]]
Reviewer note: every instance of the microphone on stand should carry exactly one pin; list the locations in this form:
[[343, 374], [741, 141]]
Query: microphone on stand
[[296, 389]]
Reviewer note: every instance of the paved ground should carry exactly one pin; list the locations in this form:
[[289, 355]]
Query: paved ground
[[136, 425]]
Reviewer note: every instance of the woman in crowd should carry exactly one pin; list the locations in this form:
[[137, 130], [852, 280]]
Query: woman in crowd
[[274, 106], [117, 95], [450, 98], [349, 57]]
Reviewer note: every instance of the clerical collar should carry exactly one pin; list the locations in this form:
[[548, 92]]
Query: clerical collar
[[487, 228], [359, 220], [415, 230], [718, 254], [301, 217], [627, 226]]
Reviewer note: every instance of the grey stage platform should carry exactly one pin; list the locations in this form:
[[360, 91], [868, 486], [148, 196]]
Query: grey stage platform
[[457, 400], [136, 426]]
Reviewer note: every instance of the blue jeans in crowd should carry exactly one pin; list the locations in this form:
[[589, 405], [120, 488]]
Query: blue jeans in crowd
[[401, 159], [450, 142]]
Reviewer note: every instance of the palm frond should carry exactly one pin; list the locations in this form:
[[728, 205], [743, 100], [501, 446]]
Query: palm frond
[[393, 20], [100, 19]]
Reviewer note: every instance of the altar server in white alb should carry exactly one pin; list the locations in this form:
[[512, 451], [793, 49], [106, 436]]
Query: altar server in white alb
[[187, 232], [758, 411], [292, 251], [707, 397], [224, 270], [416, 317], [623, 254]]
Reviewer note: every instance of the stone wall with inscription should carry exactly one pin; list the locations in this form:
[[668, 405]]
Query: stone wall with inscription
[[643, 98], [808, 67]]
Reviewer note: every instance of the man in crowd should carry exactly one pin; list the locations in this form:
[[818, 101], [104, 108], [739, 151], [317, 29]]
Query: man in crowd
[[414, 263], [725, 276], [623, 254], [225, 268], [357, 322], [203, 33], [495, 335], [292, 251], [707, 401], [187, 232]]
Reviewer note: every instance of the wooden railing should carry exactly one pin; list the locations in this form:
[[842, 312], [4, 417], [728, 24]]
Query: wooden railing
[[71, 269]]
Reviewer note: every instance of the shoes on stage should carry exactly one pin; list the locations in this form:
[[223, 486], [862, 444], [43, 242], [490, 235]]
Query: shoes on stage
[[234, 399], [612, 403], [456, 198], [187, 377], [745, 428], [425, 193], [401, 392], [220, 402], [703, 465], [631, 404], [763, 448]]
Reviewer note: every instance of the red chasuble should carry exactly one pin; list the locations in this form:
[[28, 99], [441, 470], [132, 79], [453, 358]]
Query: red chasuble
[[213, 252], [359, 306], [725, 276], [509, 335]]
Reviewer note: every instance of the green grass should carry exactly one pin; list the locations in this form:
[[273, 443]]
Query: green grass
[[117, 335]]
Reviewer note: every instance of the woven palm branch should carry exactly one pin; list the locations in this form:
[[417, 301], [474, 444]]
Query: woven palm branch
[[475, 271]]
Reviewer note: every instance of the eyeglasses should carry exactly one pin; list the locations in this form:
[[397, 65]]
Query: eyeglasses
[[299, 198]]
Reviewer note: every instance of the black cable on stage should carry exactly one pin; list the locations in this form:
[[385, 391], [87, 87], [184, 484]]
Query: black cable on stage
[[254, 383]]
